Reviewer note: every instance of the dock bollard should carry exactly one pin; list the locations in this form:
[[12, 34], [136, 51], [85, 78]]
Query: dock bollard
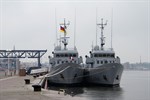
[[34, 76], [27, 81], [5, 74], [11, 74], [37, 75], [36, 88]]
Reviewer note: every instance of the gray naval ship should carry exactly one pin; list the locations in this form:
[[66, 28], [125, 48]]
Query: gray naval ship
[[66, 64], [102, 67]]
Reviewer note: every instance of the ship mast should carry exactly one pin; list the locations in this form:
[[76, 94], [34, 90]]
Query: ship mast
[[102, 38], [64, 39]]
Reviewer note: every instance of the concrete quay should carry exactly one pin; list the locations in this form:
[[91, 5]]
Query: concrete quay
[[14, 88]]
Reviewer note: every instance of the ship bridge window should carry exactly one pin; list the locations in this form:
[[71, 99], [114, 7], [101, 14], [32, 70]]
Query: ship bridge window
[[108, 55], [57, 55], [62, 55], [74, 55], [112, 55], [100, 55], [104, 55], [70, 55], [95, 55], [66, 55]]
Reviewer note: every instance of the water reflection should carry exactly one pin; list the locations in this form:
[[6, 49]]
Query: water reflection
[[134, 86], [72, 91], [103, 93], [91, 93]]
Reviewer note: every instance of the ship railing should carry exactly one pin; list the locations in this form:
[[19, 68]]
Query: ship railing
[[57, 48], [108, 49]]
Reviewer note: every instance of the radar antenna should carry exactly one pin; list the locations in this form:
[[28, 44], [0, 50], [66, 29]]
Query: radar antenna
[[102, 25]]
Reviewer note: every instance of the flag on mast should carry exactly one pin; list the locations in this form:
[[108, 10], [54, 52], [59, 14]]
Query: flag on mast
[[62, 29]]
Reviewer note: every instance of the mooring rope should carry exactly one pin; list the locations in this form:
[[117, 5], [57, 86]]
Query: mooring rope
[[81, 76]]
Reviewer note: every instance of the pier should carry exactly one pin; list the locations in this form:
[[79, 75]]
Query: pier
[[14, 87]]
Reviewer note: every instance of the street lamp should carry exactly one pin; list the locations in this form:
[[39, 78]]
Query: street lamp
[[17, 62], [8, 71]]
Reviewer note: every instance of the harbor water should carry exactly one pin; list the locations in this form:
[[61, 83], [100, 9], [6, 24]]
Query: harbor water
[[135, 85]]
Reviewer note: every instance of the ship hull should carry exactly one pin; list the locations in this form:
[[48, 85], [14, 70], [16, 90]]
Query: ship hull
[[66, 74], [105, 75]]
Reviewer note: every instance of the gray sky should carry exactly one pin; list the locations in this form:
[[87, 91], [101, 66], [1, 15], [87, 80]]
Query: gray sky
[[30, 24]]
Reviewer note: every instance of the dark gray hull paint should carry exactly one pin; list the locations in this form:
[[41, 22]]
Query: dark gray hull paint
[[68, 73], [106, 75]]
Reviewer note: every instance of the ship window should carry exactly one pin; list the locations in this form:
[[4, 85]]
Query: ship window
[[66, 61], [100, 55], [104, 55], [97, 61], [57, 55], [62, 62], [74, 55], [101, 62], [112, 55], [74, 61], [58, 62], [108, 55], [95, 55], [106, 62], [66, 55], [61, 55], [70, 55], [110, 61]]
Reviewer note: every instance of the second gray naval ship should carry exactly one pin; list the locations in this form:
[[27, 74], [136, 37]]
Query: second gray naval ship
[[102, 67]]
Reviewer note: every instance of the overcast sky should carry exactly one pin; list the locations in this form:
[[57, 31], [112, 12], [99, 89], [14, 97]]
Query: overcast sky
[[32, 24]]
